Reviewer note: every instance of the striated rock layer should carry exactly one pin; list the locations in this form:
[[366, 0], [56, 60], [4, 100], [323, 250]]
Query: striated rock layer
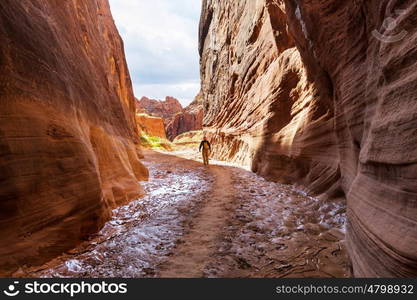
[[322, 93], [68, 137]]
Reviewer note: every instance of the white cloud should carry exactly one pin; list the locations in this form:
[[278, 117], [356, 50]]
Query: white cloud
[[161, 44]]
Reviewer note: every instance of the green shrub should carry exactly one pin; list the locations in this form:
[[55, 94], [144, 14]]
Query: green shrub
[[155, 142]]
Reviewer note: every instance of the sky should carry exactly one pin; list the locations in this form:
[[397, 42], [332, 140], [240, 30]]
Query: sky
[[161, 45]]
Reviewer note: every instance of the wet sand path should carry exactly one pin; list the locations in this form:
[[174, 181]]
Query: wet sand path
[[195, 249], [215, 221]]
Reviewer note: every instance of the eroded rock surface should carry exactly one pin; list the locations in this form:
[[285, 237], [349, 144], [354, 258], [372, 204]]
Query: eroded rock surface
[[322, 93], [68, 137]]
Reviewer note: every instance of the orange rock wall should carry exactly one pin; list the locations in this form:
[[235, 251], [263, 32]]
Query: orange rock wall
[[152, 126]]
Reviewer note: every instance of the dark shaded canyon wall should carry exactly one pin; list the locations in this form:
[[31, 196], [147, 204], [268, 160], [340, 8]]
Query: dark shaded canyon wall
[[307, 92], [68, 137], [258, 99]]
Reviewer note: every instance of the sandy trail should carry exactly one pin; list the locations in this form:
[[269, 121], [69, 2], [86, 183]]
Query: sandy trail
[[194, 251], [215, 221]]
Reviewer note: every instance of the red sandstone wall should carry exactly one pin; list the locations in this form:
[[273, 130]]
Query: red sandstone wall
[[68, 137]]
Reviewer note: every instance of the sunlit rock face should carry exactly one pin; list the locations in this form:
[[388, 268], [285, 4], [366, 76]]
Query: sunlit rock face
[[68, 137], [152, 126], [322, 93]]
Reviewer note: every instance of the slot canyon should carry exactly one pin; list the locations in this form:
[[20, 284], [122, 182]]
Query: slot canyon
[[310, 110]]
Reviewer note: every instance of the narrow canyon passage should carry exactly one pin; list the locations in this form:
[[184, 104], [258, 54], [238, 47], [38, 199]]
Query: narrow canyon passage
[[216, 221], [320, 96]]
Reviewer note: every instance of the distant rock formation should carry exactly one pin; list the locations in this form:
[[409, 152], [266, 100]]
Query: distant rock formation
[[323, 93], [68, 137], [164, 109], [177, 120], [190, 119]]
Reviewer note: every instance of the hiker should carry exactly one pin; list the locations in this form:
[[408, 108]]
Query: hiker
[[205, 145]]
